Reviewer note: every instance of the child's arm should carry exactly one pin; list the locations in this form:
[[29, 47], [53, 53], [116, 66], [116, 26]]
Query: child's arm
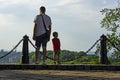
[[59, 42]]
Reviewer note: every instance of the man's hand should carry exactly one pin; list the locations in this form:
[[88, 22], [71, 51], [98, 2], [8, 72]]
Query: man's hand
[[34, 38], [34, 30], [48, 39]]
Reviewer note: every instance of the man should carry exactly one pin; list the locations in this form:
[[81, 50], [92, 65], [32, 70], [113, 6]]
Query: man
[[42, 22]]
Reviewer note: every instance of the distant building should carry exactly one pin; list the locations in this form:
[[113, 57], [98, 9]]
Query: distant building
[[2, 50]]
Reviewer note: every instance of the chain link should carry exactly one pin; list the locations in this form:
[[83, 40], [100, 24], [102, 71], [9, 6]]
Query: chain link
[[46, 56], [12, 49], [113, 44], [32, 43], [92, 46], [35, 48]]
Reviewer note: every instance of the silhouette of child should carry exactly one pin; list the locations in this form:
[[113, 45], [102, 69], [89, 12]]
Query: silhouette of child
[[56, 48]]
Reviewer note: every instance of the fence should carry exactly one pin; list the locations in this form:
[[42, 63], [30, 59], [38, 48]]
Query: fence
[[25, 49]]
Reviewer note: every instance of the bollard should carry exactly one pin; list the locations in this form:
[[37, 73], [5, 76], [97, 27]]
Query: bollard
[[25, 56], [103, 50]]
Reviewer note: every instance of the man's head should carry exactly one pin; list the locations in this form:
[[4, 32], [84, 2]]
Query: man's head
[[42, 9]]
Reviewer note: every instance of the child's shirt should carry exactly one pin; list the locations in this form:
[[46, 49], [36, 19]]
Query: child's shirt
[[56, 44]]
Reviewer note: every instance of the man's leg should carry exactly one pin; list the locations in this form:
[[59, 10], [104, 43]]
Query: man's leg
[[44, 55], [37, 55]]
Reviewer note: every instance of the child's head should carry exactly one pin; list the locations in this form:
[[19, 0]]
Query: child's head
[[55, 34]]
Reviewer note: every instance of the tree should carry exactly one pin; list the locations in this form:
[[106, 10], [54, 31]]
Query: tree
[[111, 22]]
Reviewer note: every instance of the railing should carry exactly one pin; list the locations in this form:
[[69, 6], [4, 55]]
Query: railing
[[25, 49]]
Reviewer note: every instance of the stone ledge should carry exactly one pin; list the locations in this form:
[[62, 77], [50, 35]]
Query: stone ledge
[[58, 67]]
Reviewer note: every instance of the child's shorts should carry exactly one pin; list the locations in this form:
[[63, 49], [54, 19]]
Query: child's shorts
[[57, 52]]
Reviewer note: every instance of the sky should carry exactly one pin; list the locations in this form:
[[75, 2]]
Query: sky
[[76, 21]]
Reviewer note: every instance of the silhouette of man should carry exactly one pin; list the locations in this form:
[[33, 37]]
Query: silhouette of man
[[39, 33]]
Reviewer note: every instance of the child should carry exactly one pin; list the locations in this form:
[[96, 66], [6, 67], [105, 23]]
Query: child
[[56, 48]]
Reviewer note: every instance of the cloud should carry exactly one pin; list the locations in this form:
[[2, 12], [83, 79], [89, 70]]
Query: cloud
[[75, 9], [77, 21], [31, 4], [67, 2], [7, 20], [17, 2]]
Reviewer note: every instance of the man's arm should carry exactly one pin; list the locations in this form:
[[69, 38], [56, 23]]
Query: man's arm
[[49, 31], [34, 31]]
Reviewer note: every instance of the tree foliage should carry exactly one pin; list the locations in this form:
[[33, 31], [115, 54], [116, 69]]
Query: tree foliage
[[69, 57], [111, 22]]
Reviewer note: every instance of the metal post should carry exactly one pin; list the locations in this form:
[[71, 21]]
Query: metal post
[[103, 50], [25, 56]]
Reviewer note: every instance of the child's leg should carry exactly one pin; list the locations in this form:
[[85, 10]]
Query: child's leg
[[58, 60], [58, 57], [54, 57]]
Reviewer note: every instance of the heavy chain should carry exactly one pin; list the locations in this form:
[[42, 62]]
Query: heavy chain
[[113, 44], [35, 48], [12, 49], [92, 46]]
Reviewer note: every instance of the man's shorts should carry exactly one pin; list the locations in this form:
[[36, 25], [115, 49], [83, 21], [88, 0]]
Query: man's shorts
[[41, 40]]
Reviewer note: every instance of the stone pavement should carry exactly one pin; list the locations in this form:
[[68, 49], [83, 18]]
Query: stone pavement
[[58, 75]]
